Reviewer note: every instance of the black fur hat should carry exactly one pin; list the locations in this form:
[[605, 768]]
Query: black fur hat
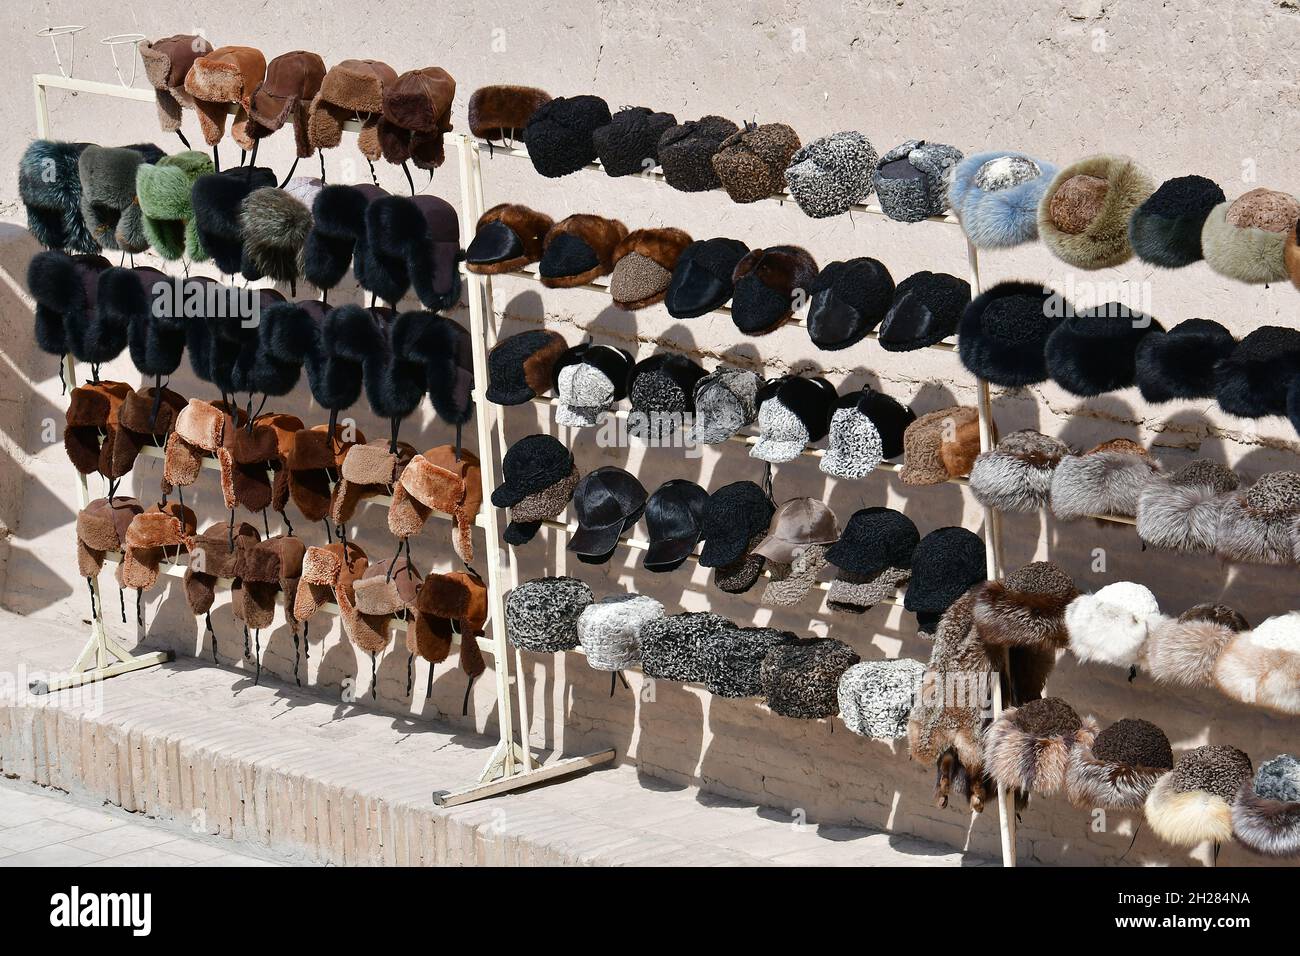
[[686, 152], [412, 242], [1095, 351], [629, 145], [66, 290], [1166, 229], [702, 277], [335, 343], [767, 282], [217, 198], [1180, 363], [560, 133], [664, 383], [338, 233], [451, 371], [394, 372], [49, 184], [1004, 332], [155, 337], [946, 562], [849, 299], [927, 308], [1254, 380], [522, 367]]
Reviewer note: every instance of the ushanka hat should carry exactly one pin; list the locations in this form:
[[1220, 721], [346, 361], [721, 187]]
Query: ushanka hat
[[539, 476], [49, 184], [1084, 214], [726, 400], [1182, 650], [751, 162], [672, 516], [1111, 626], [351, 89], [848, 301], [643, 266], [412, 242], [91, 426], [1095, 351], [292, 81], [1246, 239], [940, 445], [329, 571], [500, 112], [832, 174], [686, 152], [1181, 511], [793, 412], [382, 593], [561, 133], [1106, 480], [1004, 332], [447, 604], [874, 558], [702, 278], [578, 249], [662, 387], [1261, 523], [445, 479], [317, 454], [866, 429], [995, 196], [167, 62], [217, 198], [875, 697], [1262, 666], [416, 114], [159, 533], [609, 630], [367, 471], [629, 144], [264, 570], [672, 647], [167, 213], [507, 237], [911, 179], [769, 285], [945, 564], [108, 204], [146, 416], [1253, 380], [927, 308], [101, 528], [274, 225], [589, 380], [1266, 813], [212, 556], [731, 660], [68, 317], [227, 76], [801, 678], [337, 239], [1181, 363], [522, 367], [1028, 748], [1166, 229], [1120, 766], [1016, 474], [607, 501], [1192, 803], [542, 614], [733, 516], [155, 336]]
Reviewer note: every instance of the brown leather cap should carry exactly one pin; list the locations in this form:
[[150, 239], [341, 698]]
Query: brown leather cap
[[292, 81], [798, 523]]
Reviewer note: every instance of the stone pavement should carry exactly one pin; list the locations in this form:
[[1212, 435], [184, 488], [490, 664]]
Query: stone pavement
[[213, 757]]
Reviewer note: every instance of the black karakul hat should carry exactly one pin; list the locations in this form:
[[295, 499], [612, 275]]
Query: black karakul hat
[[673, 515], [1252, 382], [1095, 351], [1180, 363], [608, 501], [927, 308], [1166, 229], [733, 515], [686, 152], [664, 382], [530, 465], [561, 134], [849, 299], [629, 144], [1004, 332], [875, 539], [766, 281], [702, 278], [946, 563], [522, 367]]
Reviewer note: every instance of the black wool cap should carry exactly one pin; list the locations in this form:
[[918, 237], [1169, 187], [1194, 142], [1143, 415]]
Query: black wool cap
[[1095, 351], [848, 300], [733, 516], [875, 539], [702, 277], [766, 283], [686, 152], [530, 465], [1004, 332], [560, 134], [521, 367], [629, 145], [673, 515], [607, 501], [216, 198], [927, 308], [1253, 381], [1166, 229], [945, 564], [664, 382], [1180, 363]]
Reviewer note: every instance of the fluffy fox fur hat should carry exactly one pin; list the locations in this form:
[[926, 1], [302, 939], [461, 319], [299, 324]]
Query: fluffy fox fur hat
[[1254, 380], [1107, 480], [578, 249], [1025, 609], [995, 196], [167, 211], [1095, 351], [1119, 768], [1084, 213], [1262, 523], [1181, 363], [1111, 626], [412, 243], [1266, 814], [274, 226], [1262, 666], [350, 89], [1246, 239], [1016, 474], [1028, 748], [49, 184], [1192, 803], [228, 75], [108, 204], [68, 317], [1181, 511], [337, 238], [502, 112], [414, 354], [507, 237], [1183, 650], [155, 338]]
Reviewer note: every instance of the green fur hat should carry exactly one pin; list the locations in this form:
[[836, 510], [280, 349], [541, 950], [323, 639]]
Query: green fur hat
[[168, 215], [49, 184]]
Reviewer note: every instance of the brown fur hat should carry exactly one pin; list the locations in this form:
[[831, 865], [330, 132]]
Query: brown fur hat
[[1119, 768], [368, 470], [1192, 804], [448, 603], [249, 457], [438, 480], [263, 570], [502, 112], [349, 88], [292, 81], [1084, 213], [310, 463], [940, 446], [1182, 651], [213, 555], [1028, 747], [198, 431], [751, 162], [93, 410], [508, 237], [166, 64], [417, 112], [1262, 666], [643, 266], [767, 286], [1291, 254], [381, 593], [578, 249], [229, 74], [1025, 609], [160, 532], [142, 424], [328, 572], [101, 527]]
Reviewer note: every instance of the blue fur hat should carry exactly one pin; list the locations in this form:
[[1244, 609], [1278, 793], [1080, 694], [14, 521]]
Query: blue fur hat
[[996, 194]]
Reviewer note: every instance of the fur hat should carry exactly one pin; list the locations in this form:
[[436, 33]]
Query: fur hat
[[1181, 511], [940, 446], [790, 581], [447, 603], [217, 199], [91, 426], [443, 479], [1004, 333], [1246, 239], [672, 647], [769, 283], [329, 571], [167, 212], [561, 133], [578, 249], [1026, 609], [1084, 213], [160, 532], [848, 301], [1291, 254], [643, 266], [167, 62], [416, 114], [873, 557], [751, 162], [1111, 626], [1182, 650], [68, 314], [249, 454], [1016, 474], [262, 571], [1181, 363], [337, 238], [1106, 480], [609, 630], [412, 243], [146, 417], [801, 678], [731, 659], [1262, 666], [686, 152], [726, 400], [314, 455], [382, 593], [502, 112], [350, 89], [274, 226], [542, 614], [629, 144], [1266, 813], [1253, 381], [227, 75], [733, 517], [927, 308], [663, 385], [521, 367], [292, 81], [1165, 230], [101, 528], [947, 562], [875, 697], [199, 432], [995, 195], [1028, 748], [212, 556], [538, 476], [1119, 767], [416, 354], [831, 175], [49, 184], [507, 237], [1095, 351], [1261, 523], [912, 179], [108, 205], [793, 412], [367, 471], [589, 380], [155, 338], [1192, 803], [866, 429]]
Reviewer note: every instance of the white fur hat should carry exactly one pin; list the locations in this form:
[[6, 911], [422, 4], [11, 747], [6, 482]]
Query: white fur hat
[[610, 630], [1263, 666], [1111, 626]]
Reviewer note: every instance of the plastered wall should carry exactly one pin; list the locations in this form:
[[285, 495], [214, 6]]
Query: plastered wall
[[1195, 87]]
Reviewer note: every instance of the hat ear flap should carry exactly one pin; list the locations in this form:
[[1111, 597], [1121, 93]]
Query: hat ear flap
[[288, 334]]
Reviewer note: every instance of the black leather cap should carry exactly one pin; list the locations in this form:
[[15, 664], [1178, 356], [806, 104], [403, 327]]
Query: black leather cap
[[701, 279], [927, 308], [849, 299]]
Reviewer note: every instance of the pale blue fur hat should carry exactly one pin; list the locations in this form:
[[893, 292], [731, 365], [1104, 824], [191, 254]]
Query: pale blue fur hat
[[996, 195]]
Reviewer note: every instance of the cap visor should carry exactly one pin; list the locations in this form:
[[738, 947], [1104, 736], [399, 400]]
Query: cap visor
[[507, 495], [666, 554], [594, 542], [502, 395], [694, 291], [576, 416], [776, 549], [521, 532], [719, 552]]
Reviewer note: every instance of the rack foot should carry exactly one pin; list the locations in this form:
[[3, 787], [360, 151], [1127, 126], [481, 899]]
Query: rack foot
[[523, 778], [152, 659]]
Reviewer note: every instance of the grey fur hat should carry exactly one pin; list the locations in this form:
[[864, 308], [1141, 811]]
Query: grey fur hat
[[1262, 523], [1192, 804], [1112, 625], [609, 630], [672, 646], [726, 400], [1183, 650], [1107, 480], [912, 179], [830, 175], [1266, 814], [791, 583], [875, 697], [275, 224], [1119, 768], [731, 659], [542, 614], [1016, 474], [802, 678], [1245, 239], [108, 204], [590, 379], [1180, 512]]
